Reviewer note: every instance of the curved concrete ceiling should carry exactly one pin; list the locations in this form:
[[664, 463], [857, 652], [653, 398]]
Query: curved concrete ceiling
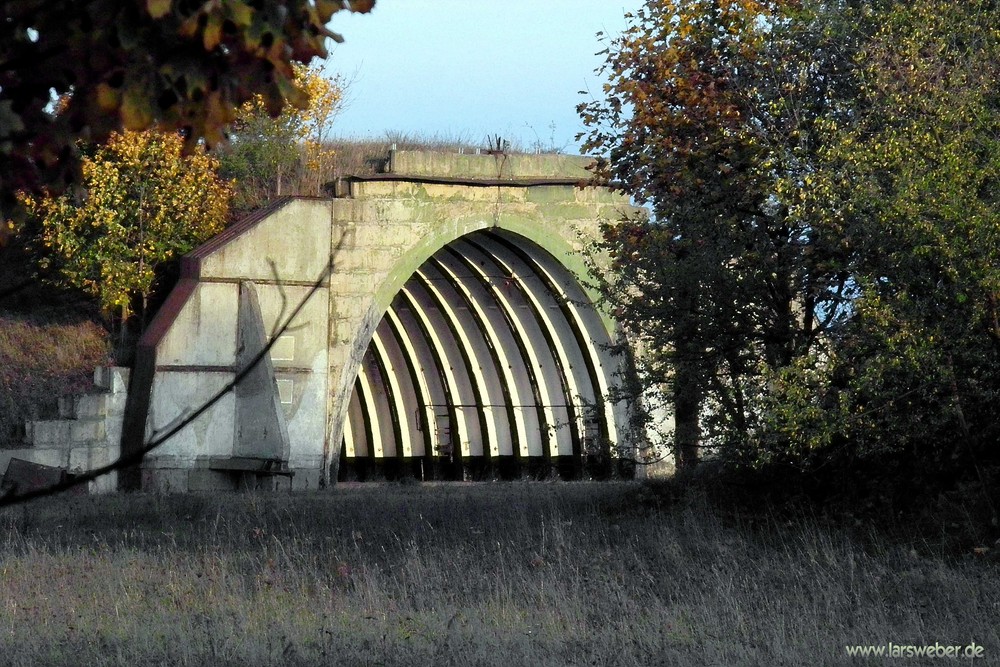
[[491, 362]]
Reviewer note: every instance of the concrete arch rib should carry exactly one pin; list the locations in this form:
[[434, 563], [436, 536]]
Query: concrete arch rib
[[416, 366], [461, 428], [591, 333], [508, 288], [496, 322], [369, 426], [378, 410], [355, 441], [532, 383], [577, 388], [400, 393], [488, 358], [445, 428], [480, 362]]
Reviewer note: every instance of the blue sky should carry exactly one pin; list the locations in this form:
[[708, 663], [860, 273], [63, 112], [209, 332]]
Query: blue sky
[[469, 69]]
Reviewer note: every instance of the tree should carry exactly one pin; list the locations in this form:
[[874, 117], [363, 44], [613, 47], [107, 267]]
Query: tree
[[710, 117], [268, 157], [144, 204], [138, 64], [909, 179], [819, 276]]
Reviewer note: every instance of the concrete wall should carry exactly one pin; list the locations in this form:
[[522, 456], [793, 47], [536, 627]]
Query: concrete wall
[[376, 238], [281, 256], [86, 434]]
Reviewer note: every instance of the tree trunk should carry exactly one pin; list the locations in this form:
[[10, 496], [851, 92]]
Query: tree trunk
[[687, 387], [687, 406]]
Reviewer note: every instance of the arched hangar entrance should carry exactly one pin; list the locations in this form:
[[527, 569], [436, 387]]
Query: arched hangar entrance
[[451, 339], [490, 362]]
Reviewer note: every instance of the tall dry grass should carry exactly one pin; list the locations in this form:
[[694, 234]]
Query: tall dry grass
[[493, 574], [50, 341], [43, 356], [366, 156], [362, 157]]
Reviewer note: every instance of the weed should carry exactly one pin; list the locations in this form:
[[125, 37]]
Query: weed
[[490, 574]]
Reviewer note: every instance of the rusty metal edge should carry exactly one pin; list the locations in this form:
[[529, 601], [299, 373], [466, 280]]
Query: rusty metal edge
[[141, 381]]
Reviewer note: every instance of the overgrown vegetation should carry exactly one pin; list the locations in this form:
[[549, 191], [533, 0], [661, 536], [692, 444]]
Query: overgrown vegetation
[[363, 157], [50, 342], [144, 204], [45, 355], [541, 574], [289, 154], [817, 285]]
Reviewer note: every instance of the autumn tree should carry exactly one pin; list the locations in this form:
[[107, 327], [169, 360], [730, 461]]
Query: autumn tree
[[910, 180], [143, 203], [709, 117], [138, 64], [272, 156], [819, 273]]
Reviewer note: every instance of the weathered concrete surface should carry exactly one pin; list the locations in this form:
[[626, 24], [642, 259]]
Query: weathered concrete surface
[[87, 434], [261, 431], [376, 239], [487, 166]]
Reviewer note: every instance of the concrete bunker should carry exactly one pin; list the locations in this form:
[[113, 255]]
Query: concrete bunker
[[452, 338]]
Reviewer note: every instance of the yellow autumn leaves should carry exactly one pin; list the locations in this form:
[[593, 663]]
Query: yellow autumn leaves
[[325, 98], [289, 154], [309, 126], [146, 203]]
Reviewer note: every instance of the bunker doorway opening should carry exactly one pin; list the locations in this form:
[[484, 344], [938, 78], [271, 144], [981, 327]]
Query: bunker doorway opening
[[490, 363]]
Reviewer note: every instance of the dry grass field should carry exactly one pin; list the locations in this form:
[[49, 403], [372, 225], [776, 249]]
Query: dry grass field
[[491, 574]]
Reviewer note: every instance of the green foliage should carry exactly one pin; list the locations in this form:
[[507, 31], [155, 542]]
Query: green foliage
[[911, 181], [273, 156], [825, 240], [144, 204], [184, 66], [710, 118], [262, 157]]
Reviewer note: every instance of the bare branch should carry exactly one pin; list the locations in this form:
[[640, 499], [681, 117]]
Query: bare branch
[[135, 458]]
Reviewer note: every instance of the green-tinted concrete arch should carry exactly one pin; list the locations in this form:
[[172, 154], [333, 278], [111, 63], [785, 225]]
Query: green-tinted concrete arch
[[452, 338], [525, 358]]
